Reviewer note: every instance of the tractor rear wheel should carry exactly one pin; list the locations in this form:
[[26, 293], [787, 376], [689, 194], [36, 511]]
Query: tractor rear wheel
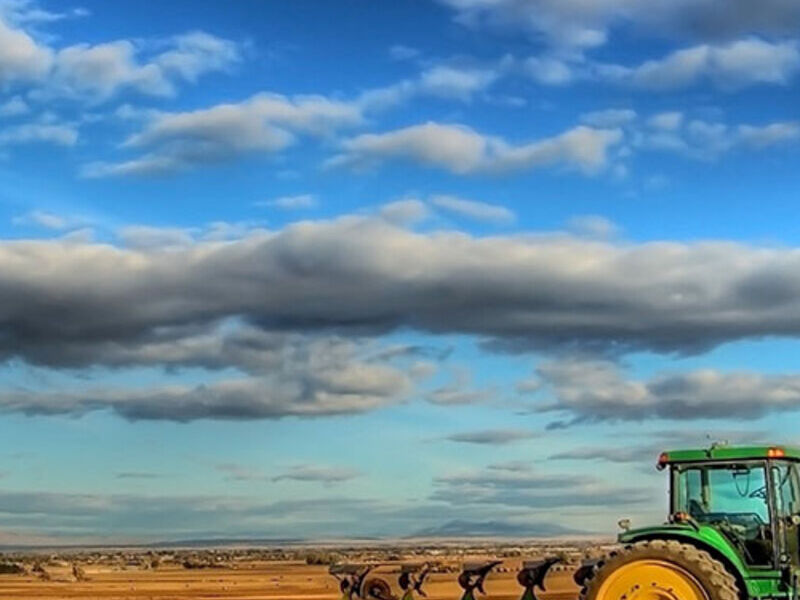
[[660, 570]]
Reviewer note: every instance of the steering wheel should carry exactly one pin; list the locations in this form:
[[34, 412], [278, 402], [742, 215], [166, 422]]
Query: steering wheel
[[760, 493]]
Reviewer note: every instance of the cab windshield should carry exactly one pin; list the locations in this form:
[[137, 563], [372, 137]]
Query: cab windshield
[[733, 498]]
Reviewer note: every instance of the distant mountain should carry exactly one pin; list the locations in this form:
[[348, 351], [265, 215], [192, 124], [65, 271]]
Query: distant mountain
[[217, 542], [460, 528]]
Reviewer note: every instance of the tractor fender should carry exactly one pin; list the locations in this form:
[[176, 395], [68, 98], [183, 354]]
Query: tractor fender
[[706, 538]]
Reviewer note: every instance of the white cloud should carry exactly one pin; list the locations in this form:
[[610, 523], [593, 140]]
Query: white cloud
[[707, 140], [576, 25], [548, 292], [405, 212], [767, 135], [14, 107], [60, 135], [318, 473], [197, 53], [42, 218], [477, 211], [598, 391], [456, 148], [143, 237], [21, 57], [299, 202], [666, 121], [732, 66], [146, 165], [401, 52], [95, 72], [462, 150], [549, 70], [442, 81], [264, 123], [99, 71], [593, 226], [21, 12], [459, 84], [609, 118], [492, 437]]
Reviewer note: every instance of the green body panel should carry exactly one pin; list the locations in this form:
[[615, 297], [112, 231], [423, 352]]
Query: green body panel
[[759, 582], [729, 453]]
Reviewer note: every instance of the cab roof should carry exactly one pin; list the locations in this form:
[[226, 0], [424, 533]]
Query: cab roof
[[726, 453]]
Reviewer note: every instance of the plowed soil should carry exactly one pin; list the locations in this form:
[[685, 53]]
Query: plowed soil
[[249, 581]]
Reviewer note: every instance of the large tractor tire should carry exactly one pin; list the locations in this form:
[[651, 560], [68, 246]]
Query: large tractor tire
[[660, 570]]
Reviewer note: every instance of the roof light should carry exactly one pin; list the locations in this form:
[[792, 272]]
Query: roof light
[[663, 459], [776, 453]]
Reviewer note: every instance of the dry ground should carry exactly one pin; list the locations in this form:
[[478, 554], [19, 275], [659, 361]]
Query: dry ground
[[249, 581]]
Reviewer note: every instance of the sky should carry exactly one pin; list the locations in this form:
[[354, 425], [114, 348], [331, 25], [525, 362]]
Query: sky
[[383, 269]]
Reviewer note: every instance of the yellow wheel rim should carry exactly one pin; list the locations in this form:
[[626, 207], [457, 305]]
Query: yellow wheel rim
[[651, 580]]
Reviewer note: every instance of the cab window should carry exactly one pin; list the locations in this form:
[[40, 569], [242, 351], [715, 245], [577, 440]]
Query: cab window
[[732, 498]]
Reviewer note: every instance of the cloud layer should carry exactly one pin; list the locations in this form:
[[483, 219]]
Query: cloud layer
[[346, 275], [596, 391], [96, 72], [460, 149]]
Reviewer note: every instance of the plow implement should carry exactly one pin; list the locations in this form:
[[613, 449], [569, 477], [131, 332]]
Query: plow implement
[[364, 582]]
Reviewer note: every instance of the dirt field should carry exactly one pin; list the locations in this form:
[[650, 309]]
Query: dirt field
[[249, 581]]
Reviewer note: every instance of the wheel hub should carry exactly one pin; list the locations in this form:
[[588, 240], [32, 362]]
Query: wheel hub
[[651, 580]]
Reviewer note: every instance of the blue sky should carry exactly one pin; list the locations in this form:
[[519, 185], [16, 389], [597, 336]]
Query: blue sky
[[359, 268]]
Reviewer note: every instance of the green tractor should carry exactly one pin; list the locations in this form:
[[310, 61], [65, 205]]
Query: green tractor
[[733, 532]]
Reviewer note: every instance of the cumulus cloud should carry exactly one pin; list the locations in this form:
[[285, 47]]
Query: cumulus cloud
[[318, 474], [462, 150], [344, 275], [592, 391], [449, 82], [14, 107], [264, 123], [405, 212], [472, 209], [768, 135], [666, 121], [143, 237], [549, 70], [731, 66], [45, 219], [532, 489], [574, 24], [96, 72], [196, 53], [32, 133], [492, 437], [609, 118], [707, 140], [401, 52], [459, 391], [317, 379], [21, 12], [298, 202], [593, 226], [22, 58]]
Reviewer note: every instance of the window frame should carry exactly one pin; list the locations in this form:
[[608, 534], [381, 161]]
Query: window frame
[[766, 465]]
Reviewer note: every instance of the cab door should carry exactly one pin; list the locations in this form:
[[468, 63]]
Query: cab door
[[786, 495]]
